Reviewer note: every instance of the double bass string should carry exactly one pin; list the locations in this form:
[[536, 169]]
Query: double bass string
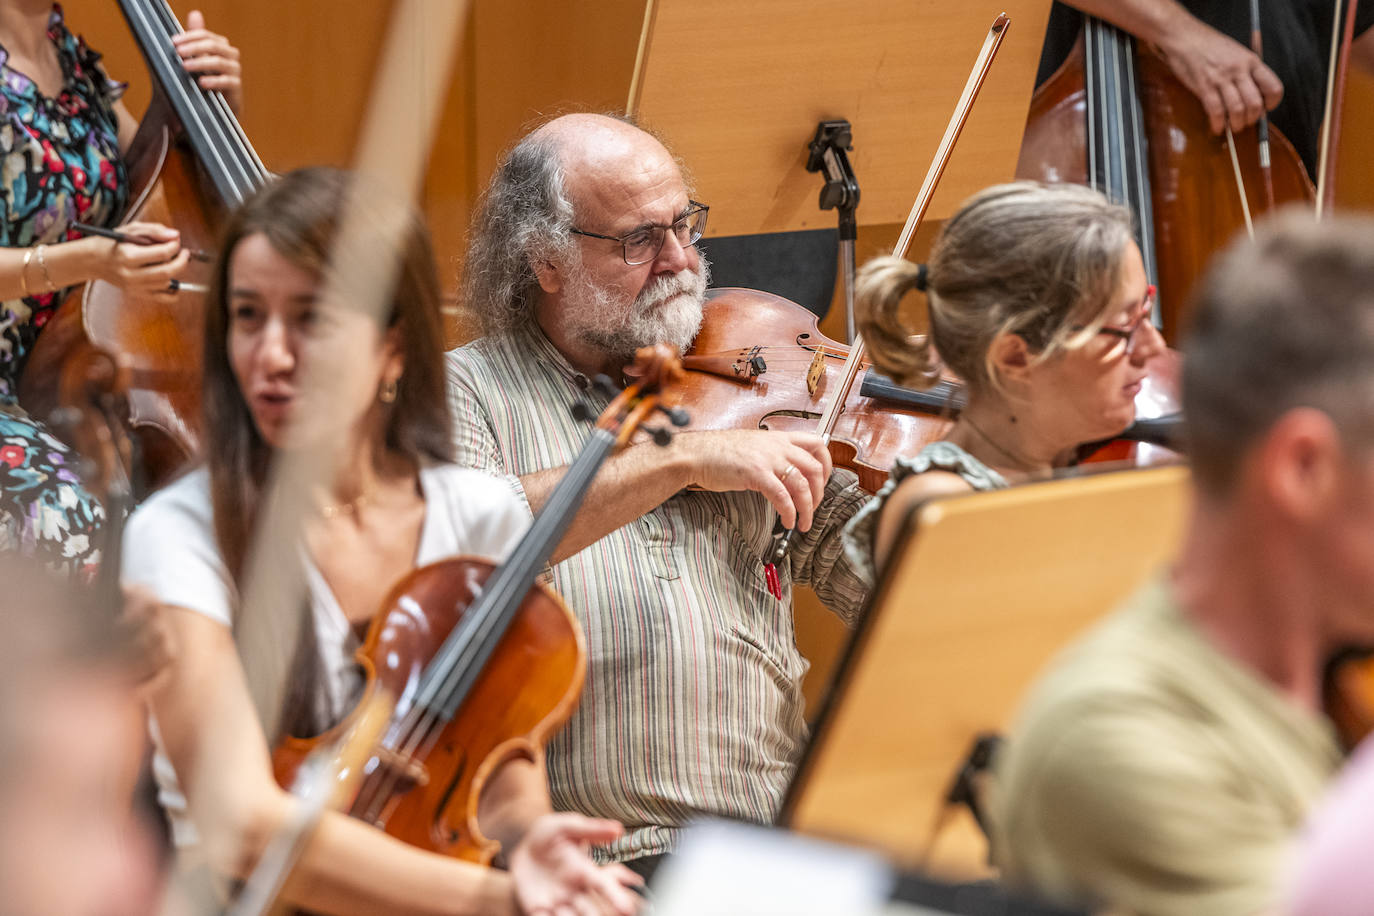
[[228, 156]]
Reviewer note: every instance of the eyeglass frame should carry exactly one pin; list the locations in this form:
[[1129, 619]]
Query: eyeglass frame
[[693, 208], [1128, 335]]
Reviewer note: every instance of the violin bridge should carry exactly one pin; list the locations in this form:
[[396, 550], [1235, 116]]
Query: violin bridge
[[409, 768], [815, 372]]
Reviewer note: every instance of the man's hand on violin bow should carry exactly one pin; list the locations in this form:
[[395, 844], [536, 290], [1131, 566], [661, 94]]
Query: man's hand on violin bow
[[554, 873], [211, 59]]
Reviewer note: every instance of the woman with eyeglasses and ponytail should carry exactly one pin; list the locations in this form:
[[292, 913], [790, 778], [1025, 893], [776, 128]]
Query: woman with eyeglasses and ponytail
[[1038, 300]]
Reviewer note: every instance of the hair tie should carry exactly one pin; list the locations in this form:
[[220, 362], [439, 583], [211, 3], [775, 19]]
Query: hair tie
[[922, 277]]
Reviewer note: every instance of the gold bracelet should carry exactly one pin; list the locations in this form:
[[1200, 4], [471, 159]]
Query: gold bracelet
[[43, 266], [24, 271]]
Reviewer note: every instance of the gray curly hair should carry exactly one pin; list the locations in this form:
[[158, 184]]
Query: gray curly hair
[[522, 219]]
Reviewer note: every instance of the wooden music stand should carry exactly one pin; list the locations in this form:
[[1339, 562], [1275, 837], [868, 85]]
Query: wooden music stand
[[995, 584], [737, 88]]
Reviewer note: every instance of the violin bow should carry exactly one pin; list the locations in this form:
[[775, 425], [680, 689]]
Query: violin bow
[[1261, 133], [325, 782], [1338, 63], [854, 362]]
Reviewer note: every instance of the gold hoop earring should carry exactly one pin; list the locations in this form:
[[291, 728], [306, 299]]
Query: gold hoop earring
[[387, 393]]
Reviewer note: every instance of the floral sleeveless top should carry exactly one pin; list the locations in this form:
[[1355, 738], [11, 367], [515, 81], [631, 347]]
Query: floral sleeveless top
[[59, 162]]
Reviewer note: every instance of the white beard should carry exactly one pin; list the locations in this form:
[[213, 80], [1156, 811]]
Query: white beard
[[667, 311]]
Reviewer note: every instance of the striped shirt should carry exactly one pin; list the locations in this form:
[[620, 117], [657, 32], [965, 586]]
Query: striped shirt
[[693, 702]]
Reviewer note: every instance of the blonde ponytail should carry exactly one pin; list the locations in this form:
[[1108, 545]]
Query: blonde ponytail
[[1040, 261], [880, 287]]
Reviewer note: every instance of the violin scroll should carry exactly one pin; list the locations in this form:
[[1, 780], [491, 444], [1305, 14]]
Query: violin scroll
[[656, 378]]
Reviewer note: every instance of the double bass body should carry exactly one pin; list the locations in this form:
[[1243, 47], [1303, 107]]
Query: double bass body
[[188, 164], [1194, 198]]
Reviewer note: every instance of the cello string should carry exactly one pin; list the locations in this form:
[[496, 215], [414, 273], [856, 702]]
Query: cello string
[[163, 58], [1145, 212], [235, 177], [1092, 57]]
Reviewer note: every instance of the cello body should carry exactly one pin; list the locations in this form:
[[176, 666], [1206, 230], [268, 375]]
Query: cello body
[[189, 163], [156, 343], [528, 689], [1194, 206]]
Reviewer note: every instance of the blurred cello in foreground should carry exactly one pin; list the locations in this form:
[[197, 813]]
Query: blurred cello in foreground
[[188, 164]]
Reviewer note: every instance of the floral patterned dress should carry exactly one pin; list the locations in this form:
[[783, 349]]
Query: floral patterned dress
[[59, 162]]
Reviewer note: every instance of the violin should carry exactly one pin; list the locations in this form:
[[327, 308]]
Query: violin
[[761, 362], [1115, 117], [485, 663], [188, 164]]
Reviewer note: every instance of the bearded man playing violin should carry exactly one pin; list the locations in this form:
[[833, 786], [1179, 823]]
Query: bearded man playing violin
[[1164, 763], [582, 251]]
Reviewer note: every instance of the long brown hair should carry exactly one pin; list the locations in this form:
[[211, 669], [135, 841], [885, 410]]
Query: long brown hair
[[299, 216], [1041, 261]]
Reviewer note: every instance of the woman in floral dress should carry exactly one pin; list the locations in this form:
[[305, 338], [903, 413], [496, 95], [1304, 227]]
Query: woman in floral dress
[[63, 131]]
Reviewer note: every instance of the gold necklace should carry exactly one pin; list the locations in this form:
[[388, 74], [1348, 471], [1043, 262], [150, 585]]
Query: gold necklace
[[351, 507]]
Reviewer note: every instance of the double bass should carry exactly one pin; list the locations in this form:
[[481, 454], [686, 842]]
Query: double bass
[[189, 163], [1115, 117]]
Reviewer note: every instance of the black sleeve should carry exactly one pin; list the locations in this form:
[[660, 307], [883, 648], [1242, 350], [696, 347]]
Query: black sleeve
[[1364, 17]]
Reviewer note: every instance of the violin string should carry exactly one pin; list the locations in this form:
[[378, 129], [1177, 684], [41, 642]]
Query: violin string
[[458, 659], [489, 626]]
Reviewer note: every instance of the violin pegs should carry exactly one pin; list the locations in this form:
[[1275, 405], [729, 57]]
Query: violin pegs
[[662, 435]]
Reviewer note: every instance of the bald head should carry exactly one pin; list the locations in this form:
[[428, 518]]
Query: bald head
[[556, 206], [610, 166]]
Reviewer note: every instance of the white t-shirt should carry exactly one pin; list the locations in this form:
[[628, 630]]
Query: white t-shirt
[[170, 549]]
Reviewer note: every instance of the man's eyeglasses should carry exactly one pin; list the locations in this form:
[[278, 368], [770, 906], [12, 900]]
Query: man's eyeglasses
[[1141, 316], [643, 244]]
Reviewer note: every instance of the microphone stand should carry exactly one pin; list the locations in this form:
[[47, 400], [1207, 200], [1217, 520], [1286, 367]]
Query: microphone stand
[[828, 155]]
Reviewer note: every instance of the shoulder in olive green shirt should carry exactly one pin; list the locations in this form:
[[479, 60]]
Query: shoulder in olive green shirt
[[1150, 772]]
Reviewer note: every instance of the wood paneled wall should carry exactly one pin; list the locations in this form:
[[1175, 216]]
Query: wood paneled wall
[[308, 67]]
